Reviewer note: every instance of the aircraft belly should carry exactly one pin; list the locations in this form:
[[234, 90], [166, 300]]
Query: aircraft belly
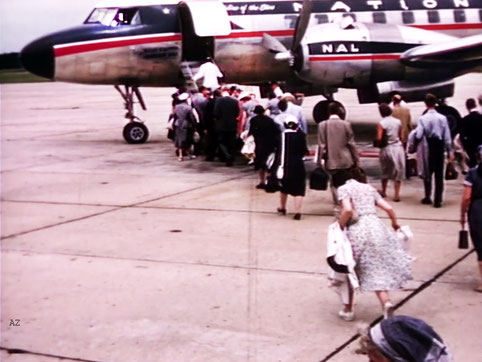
[[248, 62], [143, 65]]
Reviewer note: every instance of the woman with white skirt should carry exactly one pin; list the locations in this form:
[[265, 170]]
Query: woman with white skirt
[[392, 154]]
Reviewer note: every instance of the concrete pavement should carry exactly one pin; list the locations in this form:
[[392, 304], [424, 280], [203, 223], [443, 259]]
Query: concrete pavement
[[117, 252]]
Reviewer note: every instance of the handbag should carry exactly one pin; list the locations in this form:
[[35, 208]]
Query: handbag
[[270, 161], [463, 238], [450, 172], [248, 147], [382, 142], [411, 167], [171, 134], [273, 184], [319, 179]]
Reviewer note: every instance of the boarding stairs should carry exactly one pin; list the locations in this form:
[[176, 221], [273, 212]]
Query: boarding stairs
[[188, 69]]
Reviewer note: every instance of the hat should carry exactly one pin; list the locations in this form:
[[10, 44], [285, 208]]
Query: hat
[[288, 97], [183, 96], [259, 109], [278, 92], [244, 95], [404, 338], [290, 121]]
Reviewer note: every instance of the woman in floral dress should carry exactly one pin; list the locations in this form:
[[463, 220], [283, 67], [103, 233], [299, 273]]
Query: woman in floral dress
[[381, 262]]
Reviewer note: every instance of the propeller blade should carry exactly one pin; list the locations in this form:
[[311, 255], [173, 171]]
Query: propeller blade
[[273, 44], [302, 24]]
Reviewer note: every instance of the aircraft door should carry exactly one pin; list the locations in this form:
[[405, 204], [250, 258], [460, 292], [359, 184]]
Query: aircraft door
[[198, 28]]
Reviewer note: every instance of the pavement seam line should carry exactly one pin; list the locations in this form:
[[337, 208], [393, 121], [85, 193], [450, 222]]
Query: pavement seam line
[[165, 262], [116, 209], [422, 287]]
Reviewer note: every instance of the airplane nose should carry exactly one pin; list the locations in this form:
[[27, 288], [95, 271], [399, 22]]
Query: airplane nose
[[38, 58]]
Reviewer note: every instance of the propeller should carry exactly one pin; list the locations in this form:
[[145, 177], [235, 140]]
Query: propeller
[[275, 46]]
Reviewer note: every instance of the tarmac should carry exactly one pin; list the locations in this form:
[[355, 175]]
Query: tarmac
[[118, 252]]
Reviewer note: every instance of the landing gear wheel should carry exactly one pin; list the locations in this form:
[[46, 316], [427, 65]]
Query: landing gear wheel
[[135, 133], [320, 112]]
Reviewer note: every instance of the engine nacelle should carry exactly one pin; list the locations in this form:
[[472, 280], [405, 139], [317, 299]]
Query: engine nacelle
[[411, 91], [355, 55]]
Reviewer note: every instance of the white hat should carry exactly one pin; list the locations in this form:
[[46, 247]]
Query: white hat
[[288, 97], [278, 92], [290, 119], [183, 96], [244, 95]]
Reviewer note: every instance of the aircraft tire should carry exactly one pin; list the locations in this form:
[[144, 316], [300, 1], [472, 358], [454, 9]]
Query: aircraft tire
[[135, 133], [320, 111]]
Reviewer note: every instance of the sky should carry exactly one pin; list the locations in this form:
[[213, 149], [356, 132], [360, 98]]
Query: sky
[[22, 21]]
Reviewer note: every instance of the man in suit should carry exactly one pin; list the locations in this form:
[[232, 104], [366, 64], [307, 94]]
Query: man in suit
[[403, 114], [471, 131], [336, 144], [435, 128], [226, 111]]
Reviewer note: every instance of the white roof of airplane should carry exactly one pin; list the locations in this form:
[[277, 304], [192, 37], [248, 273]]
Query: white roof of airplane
[[133, 3]]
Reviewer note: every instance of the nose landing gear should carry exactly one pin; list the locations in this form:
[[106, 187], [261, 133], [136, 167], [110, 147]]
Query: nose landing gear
[[135, 132]]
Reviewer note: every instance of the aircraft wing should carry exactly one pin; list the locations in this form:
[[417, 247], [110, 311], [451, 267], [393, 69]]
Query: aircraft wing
[[464, 52]]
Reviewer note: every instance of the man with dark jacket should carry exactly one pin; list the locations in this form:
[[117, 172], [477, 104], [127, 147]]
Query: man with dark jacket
[[226, 110], [471, 131]]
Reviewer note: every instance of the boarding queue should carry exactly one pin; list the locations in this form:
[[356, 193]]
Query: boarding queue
[[228, 122]]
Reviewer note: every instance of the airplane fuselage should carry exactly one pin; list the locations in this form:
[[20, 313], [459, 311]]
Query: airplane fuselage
[[148, 50]]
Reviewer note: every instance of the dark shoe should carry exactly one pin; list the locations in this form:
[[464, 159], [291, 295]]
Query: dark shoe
[[261, 186], [229, 163], [437, 204], [297, 216], [281, 211], [426, 201]]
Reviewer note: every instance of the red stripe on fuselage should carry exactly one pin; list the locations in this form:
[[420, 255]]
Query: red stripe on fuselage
[[114, 43], [75, 48], [332, 58]]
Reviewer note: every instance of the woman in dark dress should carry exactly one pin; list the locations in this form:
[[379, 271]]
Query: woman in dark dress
[[184, 127], [472, 207], [266, 135], [290, 153]]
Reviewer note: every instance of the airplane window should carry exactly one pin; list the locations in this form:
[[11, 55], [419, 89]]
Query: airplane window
[[125, 17], [114, 17], [322, 18], [291, 20], [459, 16], [379, 18], [96, 16], [109, 17], [433, 16], [408, 17]]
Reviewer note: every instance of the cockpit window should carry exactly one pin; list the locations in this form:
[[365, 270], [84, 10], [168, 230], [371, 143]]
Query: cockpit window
[[114, 17]]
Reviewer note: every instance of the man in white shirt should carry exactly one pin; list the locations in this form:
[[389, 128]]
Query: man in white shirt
[[210, 74]]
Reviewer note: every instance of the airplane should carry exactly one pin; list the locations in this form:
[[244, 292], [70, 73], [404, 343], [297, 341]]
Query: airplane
[[314, 47]]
